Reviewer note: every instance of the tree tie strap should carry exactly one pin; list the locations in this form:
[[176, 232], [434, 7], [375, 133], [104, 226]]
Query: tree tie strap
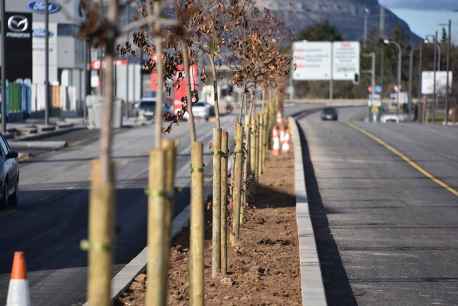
[[160, 194], [200, 169], [86, 245]]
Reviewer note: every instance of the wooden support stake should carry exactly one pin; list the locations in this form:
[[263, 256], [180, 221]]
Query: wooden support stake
[[259, 148], [196, 267], [236, 193], [100, 247], [253, 147], [224, 165], [169, 147], [157, 262], [216, 218]]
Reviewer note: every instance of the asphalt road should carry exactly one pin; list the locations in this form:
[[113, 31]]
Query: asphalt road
[[386, 234], [51, 218]]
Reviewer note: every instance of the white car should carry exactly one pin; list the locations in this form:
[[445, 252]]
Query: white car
[[201, 110], [393, 118]]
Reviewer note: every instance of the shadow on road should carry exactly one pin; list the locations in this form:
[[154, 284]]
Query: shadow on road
[[336, 283]]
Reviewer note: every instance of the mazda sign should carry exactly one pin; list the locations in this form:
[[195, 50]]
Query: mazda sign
[[18, 23]]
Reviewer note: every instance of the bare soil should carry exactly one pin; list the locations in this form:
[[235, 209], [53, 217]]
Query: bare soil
[[263, 266]]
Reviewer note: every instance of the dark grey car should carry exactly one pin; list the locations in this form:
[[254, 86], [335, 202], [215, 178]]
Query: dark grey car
[[9, 174], [329, 113]]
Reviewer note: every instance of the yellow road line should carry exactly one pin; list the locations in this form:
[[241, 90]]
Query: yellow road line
[[406, 159]]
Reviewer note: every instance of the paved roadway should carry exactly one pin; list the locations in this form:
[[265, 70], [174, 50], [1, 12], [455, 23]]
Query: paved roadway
[[386, 234], [51, 219]]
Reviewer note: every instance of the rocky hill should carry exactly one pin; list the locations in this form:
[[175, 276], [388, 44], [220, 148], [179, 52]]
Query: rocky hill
[[346, 15]]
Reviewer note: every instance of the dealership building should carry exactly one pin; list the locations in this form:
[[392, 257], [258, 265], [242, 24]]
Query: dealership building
[[69, 58]]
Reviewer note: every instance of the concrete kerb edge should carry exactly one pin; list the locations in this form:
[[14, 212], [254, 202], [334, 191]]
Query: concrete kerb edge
[[312, 287]]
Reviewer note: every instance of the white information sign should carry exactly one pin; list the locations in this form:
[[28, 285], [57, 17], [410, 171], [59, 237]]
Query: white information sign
[[345, 60], [311, 61], [427, 82]]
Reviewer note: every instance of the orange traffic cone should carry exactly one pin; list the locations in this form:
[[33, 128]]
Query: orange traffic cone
[[18, 290], [275, 142]]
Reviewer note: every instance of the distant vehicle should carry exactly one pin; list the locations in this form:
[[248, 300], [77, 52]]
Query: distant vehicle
[[9, 174], [396, 118], [146, 108], [202, 110], [329, 113]]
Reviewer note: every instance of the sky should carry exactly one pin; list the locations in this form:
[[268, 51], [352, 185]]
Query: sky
[[424, 16]]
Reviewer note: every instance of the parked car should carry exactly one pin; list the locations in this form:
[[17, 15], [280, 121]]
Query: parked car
[[146, 108], [200, 110], [329, 113], [9, 178]]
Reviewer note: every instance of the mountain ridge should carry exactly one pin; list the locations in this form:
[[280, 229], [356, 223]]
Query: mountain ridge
[[346, 15]]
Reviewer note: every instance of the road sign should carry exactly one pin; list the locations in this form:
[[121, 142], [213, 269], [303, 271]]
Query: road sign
[[345, 60], [311, 61], [427, 82]]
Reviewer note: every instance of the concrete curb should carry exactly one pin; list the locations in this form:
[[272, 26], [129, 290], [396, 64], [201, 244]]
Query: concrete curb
[[312, 287], [128, 273], [39, 145], [43, 135]]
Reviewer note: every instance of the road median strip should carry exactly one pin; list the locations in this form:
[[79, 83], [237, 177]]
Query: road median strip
[[407, 159]]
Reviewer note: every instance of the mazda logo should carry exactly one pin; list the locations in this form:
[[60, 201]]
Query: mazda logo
[[18, 23]]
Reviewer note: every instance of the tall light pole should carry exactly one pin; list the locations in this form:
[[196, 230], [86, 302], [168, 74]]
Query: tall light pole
[[386, 41], [46, 62], [436, 67], [366, 14], [447, 84], [2, 60]]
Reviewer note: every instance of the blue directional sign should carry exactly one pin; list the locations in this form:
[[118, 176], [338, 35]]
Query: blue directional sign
[[39, 6], [41, 33]]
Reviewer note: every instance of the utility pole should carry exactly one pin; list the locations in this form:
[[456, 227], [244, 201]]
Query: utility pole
[[331, 81], [412, 49], [382, 51], [46, 62], [365, 27], [449, 43], [2, 60], [436, 62], [372, 72]]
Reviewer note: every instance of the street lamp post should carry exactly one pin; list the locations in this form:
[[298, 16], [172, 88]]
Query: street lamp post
[[447, 85], [2, 60], [386, 41], [436, 67], [46, 62], [366, 14]]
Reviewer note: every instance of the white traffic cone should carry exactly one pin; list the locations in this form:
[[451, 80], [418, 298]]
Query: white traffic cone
[[285, 139], [18, 290], [275, 142]]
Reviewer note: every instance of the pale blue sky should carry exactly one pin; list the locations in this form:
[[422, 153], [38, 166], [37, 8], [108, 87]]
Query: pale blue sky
[[424, 16]]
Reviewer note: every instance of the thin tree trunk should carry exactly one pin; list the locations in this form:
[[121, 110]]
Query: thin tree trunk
[[192, 124], [215, 91], [159, 68]]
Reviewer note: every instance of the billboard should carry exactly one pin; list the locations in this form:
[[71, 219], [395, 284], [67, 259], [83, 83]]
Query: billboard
[[345, 60], [323, 61], [18, 45], [311, 60], [427, 82]]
